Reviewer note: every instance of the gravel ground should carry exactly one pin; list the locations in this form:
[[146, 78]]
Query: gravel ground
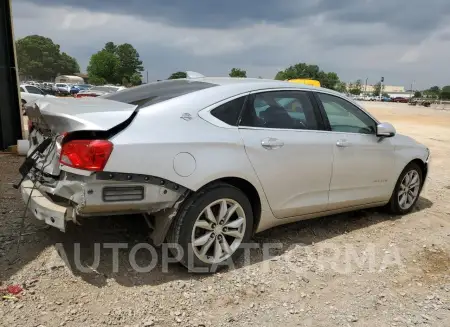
[[359, 269]]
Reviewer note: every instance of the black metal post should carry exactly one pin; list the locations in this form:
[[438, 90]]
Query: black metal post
[[10, 113]]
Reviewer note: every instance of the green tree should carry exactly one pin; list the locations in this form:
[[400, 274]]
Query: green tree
[[328, 80], [377, 89], [178, 75], [302, 70], [280, 76], [435, 89], [355, 88], [110, 47], [433, 92], [129, 61], [95, 80], [355, 91], [122, 62], [136, 79], [39, 58], [417, 94], [104, 66], [445, 93], [341, 87], [237, 72]]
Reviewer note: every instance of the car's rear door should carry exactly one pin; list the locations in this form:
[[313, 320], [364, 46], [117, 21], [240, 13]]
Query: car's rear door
[[362, 168], [289, 150]]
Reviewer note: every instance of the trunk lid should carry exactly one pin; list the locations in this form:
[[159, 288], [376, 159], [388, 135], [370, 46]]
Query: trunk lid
[[65, 115], [51, 117]]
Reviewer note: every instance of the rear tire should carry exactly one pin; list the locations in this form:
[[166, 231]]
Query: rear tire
[[407, 190], [211, 226]]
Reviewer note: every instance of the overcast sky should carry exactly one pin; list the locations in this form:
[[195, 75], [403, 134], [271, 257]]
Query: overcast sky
[[402, 40]]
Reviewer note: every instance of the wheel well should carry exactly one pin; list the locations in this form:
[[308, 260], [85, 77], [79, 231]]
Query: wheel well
[[250, 191], [422, 165]]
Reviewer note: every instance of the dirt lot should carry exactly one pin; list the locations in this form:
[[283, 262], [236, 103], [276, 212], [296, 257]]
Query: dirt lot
[[318, 278]]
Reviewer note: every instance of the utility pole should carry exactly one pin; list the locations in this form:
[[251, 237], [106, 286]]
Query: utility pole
[[147, 75], [365, 87], [411, 93], [381, 86]]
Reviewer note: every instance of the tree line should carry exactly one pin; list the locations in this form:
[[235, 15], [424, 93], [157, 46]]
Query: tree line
[[40, 58]]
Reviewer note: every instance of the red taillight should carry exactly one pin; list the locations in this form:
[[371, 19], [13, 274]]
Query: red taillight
[[86, 154]]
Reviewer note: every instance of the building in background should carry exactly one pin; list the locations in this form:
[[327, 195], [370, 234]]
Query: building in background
[[71, 79], [369, 88]]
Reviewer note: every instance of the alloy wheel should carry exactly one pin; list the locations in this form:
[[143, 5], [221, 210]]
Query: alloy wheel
[[218, 231], [409, 189]]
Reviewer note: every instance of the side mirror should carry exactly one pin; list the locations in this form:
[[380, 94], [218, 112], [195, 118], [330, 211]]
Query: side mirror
[[385, 130]]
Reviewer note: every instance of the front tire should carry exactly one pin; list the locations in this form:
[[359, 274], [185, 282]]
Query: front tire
[[407, 190], [211, 226]]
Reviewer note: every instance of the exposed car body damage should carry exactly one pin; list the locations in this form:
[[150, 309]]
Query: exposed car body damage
[[76, 193], [84, 196]]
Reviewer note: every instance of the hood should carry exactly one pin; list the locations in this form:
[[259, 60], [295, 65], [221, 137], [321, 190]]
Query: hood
[[61, 115]]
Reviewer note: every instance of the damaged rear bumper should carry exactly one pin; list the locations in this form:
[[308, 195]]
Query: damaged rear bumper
[[42, 208], [72, 196]]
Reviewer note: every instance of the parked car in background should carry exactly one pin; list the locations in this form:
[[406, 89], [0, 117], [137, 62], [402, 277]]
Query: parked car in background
[[211, 161], [96, 91], [47, 88], [30, 93], [62, 88], [79, 87], [369, 98], [386, 99], [400, 99]]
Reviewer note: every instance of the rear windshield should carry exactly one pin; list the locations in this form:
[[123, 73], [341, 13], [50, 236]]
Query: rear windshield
[[149, 94]]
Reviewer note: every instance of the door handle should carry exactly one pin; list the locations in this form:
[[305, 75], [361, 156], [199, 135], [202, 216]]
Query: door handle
[[342, 143], [271, 143]]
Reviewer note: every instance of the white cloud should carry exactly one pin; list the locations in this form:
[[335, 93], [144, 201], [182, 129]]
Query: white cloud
[[356, 50]]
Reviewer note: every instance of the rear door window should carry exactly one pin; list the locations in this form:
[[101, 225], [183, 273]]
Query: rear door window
[[281, 109]]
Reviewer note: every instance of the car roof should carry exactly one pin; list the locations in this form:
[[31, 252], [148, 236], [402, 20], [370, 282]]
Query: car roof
[[27, 85], [245, 84]]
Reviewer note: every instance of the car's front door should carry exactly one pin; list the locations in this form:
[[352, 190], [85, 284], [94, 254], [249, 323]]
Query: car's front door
[[362, 164], [289, 150]]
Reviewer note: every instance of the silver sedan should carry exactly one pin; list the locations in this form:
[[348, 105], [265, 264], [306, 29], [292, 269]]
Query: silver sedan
[[211, 161]]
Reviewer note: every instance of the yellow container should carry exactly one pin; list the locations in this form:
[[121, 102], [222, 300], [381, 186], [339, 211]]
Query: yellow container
[[311, 82]]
